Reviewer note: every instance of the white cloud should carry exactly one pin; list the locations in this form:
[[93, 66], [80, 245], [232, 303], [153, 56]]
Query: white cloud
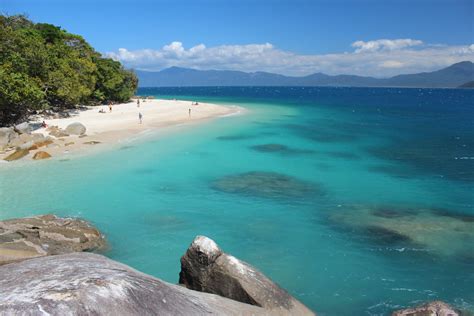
[[373, 58], [384, 44]]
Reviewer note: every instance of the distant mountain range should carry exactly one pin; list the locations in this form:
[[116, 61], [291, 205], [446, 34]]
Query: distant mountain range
[[450, 77]]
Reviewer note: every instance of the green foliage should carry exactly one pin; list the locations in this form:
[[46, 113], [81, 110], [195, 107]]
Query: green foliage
[[42, 66]]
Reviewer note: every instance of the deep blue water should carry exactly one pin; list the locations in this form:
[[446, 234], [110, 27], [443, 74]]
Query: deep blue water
[[358, 201]]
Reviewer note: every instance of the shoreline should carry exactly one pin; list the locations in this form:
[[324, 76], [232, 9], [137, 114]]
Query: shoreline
[[122, 126]]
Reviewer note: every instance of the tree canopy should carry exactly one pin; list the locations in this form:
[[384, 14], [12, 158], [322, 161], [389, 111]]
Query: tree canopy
[[43, 66]]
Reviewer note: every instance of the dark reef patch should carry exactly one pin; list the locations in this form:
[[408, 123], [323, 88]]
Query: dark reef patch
[[279, 148], [342, 155], [396, 171], [440, 156], [387, 212], [435, 232], [385, 236], [468, 218], [319, 134], [266, 185], [236, 137]]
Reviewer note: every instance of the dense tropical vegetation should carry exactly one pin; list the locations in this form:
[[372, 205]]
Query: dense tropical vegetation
[[45, 67]]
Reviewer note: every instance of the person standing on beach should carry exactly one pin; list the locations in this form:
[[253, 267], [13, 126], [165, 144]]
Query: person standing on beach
[[110, 106], [140, 117], [189, 112], [138, 103]]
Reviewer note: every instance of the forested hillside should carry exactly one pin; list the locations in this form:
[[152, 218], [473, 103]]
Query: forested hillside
[[43, 66]]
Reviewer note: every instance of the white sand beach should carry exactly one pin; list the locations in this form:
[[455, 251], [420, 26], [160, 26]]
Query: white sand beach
[[122, 123]]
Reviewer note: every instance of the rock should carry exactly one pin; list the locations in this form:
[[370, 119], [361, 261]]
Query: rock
[[53, 145], [20, 153], [26, 140], [91, 284], [204, 267], [41, 155], [266, 185], [6, 136], [40, 144], [69, 144], [76, 128], [92, 142], [436, 308], [23, 128], [46, 235], [56, 132]]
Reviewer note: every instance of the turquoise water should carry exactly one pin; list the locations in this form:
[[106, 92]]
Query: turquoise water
[[376, 212]]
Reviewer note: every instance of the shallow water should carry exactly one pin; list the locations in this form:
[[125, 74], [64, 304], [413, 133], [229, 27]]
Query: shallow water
[[304, 187]]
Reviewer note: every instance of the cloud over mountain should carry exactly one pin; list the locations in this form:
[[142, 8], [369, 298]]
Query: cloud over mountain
[[383, 57]]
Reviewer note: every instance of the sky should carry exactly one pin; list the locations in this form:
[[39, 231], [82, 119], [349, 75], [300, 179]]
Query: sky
[[365, 37]]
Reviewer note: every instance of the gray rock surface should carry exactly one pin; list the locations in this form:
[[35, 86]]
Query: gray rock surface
[[91, 284], [76, 128], [435, 308], [56, 132], [25, 141], [46, 235], [205, 267], [7, 134], [23, 128]]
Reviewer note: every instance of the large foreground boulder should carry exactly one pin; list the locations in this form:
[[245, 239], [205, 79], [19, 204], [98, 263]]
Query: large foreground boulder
[[436, 308], [204, 267], [90, 284], [76, 128], [46, 235]]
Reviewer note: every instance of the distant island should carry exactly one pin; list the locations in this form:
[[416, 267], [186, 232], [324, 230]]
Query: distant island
[[469, 84], [449, 77]]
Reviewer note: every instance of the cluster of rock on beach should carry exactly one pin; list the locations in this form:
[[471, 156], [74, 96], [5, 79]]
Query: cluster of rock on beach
[[46, 268], [20, 141]]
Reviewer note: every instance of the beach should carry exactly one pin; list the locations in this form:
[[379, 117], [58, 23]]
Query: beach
[[105, 127]]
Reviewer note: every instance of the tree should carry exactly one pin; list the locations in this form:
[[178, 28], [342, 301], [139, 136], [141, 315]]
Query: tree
[[43, 66]]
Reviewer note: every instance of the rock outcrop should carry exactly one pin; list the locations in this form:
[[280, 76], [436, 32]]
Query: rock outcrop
[[91, 284], [46, 235], [204, 267], [17, 154], [56, 131], [76, 128], [41, 155], [23, 128], [7, 135], [436, 308]]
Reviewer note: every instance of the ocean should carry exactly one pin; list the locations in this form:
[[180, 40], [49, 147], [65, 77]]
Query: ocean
[[358, 201]]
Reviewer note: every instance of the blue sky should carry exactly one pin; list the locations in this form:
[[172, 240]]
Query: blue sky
[[319, 29]]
